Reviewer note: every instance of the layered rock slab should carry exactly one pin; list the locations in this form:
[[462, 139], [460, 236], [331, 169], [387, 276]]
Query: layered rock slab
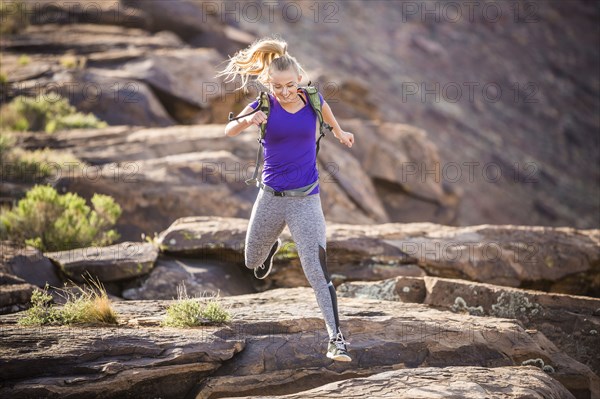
[[442, 383], [275, 344]]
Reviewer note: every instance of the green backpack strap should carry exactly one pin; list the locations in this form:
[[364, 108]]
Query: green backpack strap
[[315, 102], [265, 107]]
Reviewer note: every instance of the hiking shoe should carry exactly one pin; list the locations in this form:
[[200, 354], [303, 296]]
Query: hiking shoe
[[336, 349], [263, 270]]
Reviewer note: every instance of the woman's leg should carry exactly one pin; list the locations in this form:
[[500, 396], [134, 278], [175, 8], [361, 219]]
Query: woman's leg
[[266, 223], [305, 219]]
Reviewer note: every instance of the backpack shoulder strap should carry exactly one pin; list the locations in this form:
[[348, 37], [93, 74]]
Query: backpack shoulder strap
[[315, 102], [313, 97], [265, 106]]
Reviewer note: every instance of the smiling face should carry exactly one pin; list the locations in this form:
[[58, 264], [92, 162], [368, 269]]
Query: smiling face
[[284, 85]]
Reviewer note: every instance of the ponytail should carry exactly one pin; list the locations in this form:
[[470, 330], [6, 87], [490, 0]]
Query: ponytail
[[258, 60]]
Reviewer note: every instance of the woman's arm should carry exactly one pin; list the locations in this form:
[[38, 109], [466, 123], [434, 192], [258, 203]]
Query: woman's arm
[[234, 128], [345, 138]]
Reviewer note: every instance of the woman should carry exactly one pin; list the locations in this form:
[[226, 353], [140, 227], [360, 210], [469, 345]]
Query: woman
[[290, 166]]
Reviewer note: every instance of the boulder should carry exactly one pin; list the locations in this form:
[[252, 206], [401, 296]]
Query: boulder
[[41, 12], [402, 289], [555, 259], [15, 293], [83, 38], [205, 235], [111, 263], [201, 277], [350, 180], [184, 81], [32, 266], [395, 156], [197, 23], [117, 99], [16, 290]]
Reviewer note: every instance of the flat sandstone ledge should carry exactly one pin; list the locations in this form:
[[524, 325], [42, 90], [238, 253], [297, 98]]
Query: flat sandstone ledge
[[441, 383]]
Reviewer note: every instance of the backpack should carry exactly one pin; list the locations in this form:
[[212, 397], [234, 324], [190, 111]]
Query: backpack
[[312, 94]]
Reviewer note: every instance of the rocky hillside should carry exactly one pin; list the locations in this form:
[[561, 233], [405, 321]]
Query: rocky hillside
[[459, 120], [507, 92], [462, 231]]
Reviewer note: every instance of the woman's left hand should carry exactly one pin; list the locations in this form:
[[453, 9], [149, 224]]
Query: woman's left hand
[[346, 138]]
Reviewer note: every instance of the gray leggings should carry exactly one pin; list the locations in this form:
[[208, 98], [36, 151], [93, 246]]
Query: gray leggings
[[304, 217]]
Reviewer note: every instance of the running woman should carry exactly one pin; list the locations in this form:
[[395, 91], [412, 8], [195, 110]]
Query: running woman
[[289, 182]]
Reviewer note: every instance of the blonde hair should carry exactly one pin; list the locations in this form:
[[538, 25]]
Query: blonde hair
[[259, 59]]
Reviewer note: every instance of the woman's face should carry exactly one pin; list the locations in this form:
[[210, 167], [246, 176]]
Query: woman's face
[[284, 85]]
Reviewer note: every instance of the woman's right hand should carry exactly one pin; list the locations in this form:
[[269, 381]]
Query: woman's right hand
[[255, 119], [236, 126]]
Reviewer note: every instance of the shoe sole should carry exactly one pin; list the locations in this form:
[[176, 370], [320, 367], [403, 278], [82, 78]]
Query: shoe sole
[[340, 358], [271, 255]]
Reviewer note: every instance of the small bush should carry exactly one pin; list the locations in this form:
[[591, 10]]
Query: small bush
[[50, 221], [38, 165], [41, 114], [23, 60], [41, 312], [17, 164], [71, 61], [288, 251], [85, 306], [89, 305], [191, 312], [214, 312], [74, 121], [13, 16], [12, 120], [7, 143]]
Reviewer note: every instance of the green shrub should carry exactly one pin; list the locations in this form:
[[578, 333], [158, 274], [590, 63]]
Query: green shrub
[[70, 61], [45, 114], [53, 222], [191, 312], [74, 121], [7, 143], [12, 120], [288, 251], [41, 312], [38, 165], [13, 16], [89, 305], [23, 60]]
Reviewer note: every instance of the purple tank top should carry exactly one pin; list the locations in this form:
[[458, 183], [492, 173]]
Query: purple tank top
[[290, 159]]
